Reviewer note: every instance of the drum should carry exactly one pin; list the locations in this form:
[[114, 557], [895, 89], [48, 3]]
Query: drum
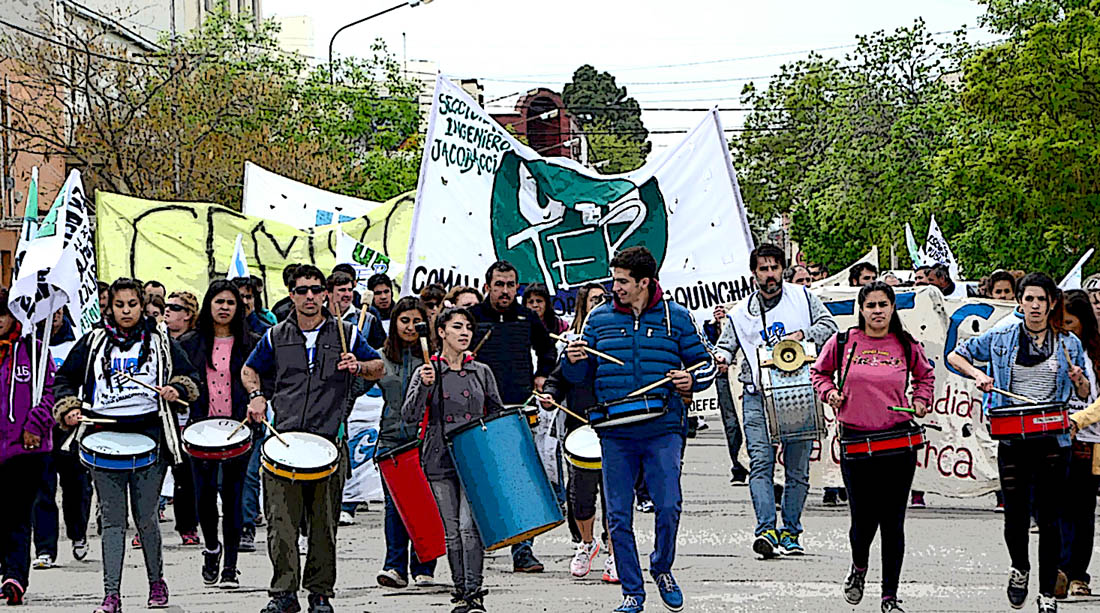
[[792, 409], [304, 457], [413, 498], [582, 449], [627, 410], [530, 413], [855, 444], [503, 478], [118, 451], [209, 439], [1029, 420]]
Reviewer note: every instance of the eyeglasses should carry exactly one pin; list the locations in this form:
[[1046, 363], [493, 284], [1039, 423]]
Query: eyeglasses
[[176, 308], [316, 289]]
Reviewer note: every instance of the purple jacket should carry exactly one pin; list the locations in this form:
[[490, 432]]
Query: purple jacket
[[16, 412]]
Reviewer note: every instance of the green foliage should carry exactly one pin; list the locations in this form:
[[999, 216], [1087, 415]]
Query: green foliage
[[610, 118], [613, 153]]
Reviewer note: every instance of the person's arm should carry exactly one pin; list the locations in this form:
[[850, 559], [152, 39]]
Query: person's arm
[[68, 381], [1087, 416], [726, 347], [416, 398], [367, 362], [184, 378], [693, 350], [556, 385], [975, 349], [578, 366], [822, 324], [493, 404], [260, 363], [923, 376], [824, 369], [40, 417], [545, 351]]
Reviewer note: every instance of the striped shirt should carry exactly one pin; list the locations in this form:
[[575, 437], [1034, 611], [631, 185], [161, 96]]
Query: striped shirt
[[1039, 382]]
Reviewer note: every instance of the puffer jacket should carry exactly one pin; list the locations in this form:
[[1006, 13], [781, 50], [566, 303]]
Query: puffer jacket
[[460, 396], [393, 431], [663, 338]]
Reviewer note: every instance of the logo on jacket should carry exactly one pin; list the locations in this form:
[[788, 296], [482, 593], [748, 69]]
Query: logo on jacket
[[562, 227], [774, 333], [22, 373]]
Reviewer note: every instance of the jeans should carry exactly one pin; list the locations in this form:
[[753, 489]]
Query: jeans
[[796, 466], [1039, 464], [21, 476], [76, 502], [232, 484], [734, 438], [141, 488], [250, 497], [399, 554], [659, 458], [465, 553], [1079, 514]]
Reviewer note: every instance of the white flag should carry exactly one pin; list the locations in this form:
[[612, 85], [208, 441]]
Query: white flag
[[840, 279], [238, 267], [1073, 279], [938, 251]]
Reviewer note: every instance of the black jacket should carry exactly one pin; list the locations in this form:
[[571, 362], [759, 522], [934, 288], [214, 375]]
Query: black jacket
[[578, 398], [195, 346], [507, 351]]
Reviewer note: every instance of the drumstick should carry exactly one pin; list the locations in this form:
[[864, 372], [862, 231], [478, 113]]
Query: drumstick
[[275, 432], [1011, 395], [97, 420], [592, 351], [903, 409], [130, 378], [343, 339], [847, 369], [660, 382], [482, 341], [362, 317], [237, 429], [549, 399]]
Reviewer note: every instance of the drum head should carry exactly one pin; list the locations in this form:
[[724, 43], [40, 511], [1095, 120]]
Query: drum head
[[214, 433], [124, 444], [583, 443], [302, 451]]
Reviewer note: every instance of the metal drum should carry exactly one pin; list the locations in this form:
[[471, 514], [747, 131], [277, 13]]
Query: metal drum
[[860, 444], [118, 451], [412, 496], [304, 457], [582, 449], [216, 438], [792, 409], [627, 410], [503, 479], [1029, 420]]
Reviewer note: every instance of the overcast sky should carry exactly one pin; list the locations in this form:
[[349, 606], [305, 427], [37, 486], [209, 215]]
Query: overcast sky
[[513, 45]]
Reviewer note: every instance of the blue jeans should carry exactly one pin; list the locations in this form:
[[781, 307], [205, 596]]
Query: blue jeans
[[399, 556], [250, 497], [796, 465], [659, 459], [734, 438]]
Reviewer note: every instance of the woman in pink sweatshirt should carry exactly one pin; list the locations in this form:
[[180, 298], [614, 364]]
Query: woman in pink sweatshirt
[[875, 366]]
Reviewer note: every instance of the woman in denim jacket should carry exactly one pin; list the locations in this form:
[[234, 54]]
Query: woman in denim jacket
[[1030, 359]]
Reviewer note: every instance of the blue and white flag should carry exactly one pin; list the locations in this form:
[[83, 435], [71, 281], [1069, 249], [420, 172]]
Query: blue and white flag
[[1073, 279], [238, 267]]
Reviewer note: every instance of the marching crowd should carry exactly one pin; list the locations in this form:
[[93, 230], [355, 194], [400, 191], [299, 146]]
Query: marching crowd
[[161, 362]]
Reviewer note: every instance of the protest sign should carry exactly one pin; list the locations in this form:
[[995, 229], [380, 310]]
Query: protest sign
[[271, 196]]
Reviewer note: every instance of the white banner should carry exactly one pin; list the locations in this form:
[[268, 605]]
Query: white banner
[[484, 196], [365, 483], [365, 260], [278, 198], [840, 279]]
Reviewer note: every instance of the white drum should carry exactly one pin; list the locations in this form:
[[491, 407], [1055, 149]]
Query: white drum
[[217, 438], [582, 449], [304, 456]]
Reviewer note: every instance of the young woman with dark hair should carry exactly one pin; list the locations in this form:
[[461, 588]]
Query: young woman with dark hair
[[537, 298]]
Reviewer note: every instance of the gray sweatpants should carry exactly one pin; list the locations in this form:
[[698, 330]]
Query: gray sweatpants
[[142, 489], [465, 553]]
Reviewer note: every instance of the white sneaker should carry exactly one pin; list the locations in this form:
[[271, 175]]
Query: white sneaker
[[43, 562], [423, 581], [346, 519], [391, 578], [582, 559], [610, 575], [303, 545]]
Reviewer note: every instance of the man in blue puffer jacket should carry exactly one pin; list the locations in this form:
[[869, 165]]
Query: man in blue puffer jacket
[[654, 338]]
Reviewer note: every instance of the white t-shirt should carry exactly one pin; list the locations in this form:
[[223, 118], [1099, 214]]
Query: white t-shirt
[[120, 397]]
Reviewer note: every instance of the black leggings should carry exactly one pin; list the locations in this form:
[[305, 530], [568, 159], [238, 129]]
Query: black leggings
[[584, 486], [878, 494], [1038, 463], [231, 490]]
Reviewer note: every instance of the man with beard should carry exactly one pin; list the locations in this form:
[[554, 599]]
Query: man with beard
[[790, 312]]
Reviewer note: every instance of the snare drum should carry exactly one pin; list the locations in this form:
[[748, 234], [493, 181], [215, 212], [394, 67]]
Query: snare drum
[[530, 413], [582, 449], [856, 444], [117, 451], [627, 410], [792, 410], [305, 457], [209, 439], [1029, 420]]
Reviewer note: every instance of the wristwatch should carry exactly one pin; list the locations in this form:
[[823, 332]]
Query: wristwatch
[[255, 394]]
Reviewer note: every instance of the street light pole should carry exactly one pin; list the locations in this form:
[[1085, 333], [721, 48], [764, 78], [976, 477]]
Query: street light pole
[[332, 70]]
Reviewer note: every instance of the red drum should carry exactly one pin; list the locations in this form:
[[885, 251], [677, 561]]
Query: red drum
[[411, 494], [1029, 420], [216, 438], [855, 444]]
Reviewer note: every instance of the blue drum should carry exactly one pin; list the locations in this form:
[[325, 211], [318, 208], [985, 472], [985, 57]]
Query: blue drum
[[504, 481], [627, 410], [118, 451]]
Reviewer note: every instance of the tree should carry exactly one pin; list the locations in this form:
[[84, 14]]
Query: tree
[[180, 123], [611, 119]]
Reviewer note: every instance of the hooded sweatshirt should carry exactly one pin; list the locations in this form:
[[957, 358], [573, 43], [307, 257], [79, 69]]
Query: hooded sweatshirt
[[17, 413]]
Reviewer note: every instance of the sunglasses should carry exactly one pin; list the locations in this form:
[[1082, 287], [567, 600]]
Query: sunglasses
[[316, 289], [176, 308], [430, 305]]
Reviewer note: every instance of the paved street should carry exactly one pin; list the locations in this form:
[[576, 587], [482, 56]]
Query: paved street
[[955, 562]]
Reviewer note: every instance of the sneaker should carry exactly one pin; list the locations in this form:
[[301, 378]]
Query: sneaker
[[842, 495], [740, 477], [789, 545], [346, 518], [43, 562], [1017, 588], [1061, 586], [283, 602], [13, 592], [631, 604], [190, 539], [423, 581], [158, 594], [111, 604], [916, 501], [211, 562], [582, 559], [644, 506], [890, 605], [391, 578], [459, 600], [319, 603], [80, 549], [610, 573], [527, 564], [1000, 508], [671, 595], [831, 498], [1079, 588], [231, 579], [136, 543], [303, 545], [161, 517], [259, 521], [853, 585], [765, 544], [248, 540], [1047, 604], [475, 602], [703, 425]]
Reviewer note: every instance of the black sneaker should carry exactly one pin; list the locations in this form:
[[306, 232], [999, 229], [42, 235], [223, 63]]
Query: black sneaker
[[890, 605], [320, 604], [459, 600], [740, 475], [1017, 588], [830, 499], [853, 586], [248, 539], [231, 579], [211, 562], [283, 602], [527, 563], [475, 602]]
